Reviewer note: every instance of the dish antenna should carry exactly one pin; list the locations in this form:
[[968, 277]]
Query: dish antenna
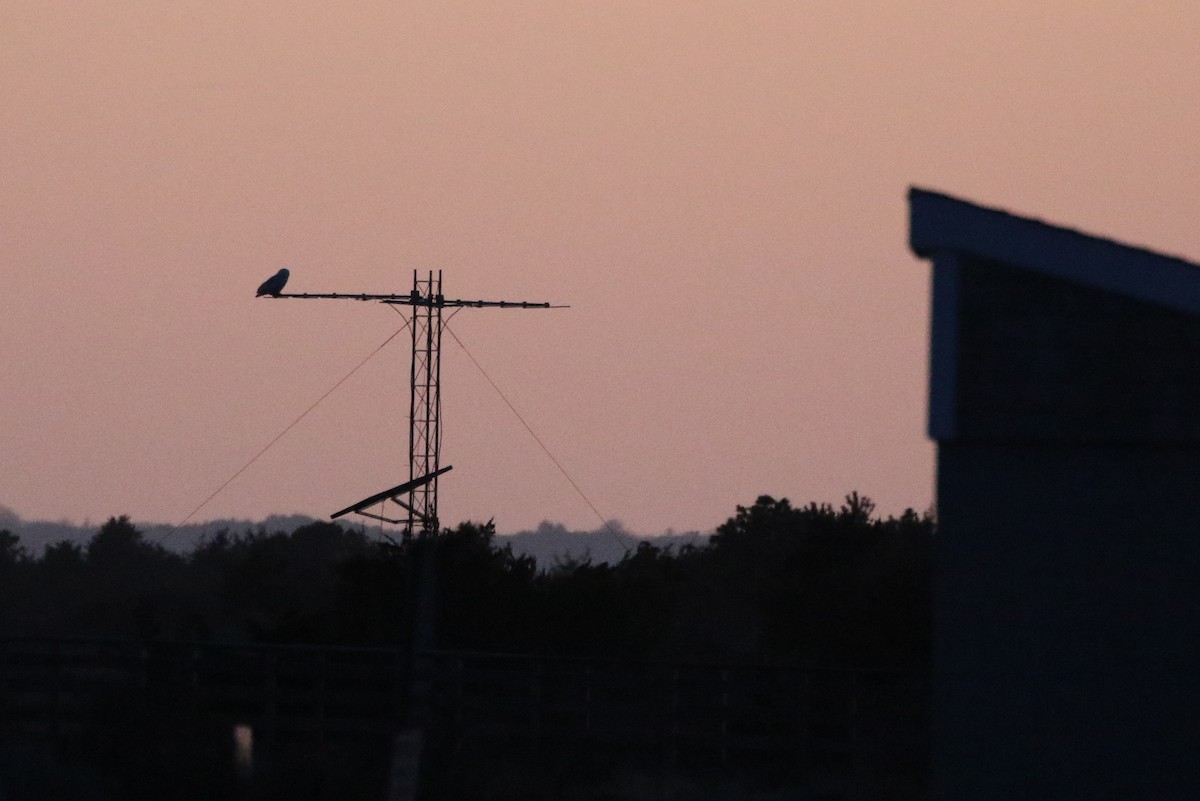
[[419, 495]]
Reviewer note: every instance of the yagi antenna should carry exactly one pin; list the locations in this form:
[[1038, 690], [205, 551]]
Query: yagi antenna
[[392, 495], [425, 391]]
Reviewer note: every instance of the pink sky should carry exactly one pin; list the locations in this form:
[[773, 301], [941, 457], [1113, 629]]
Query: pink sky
[[717, 189]]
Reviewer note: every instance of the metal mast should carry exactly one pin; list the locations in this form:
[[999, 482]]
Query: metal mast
[[419, 494], [425, 425]]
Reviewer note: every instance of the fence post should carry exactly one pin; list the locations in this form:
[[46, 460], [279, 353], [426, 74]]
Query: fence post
[[725, 716], [675, 703]]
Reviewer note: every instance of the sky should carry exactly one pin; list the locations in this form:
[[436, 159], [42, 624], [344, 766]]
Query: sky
[[717, 189]]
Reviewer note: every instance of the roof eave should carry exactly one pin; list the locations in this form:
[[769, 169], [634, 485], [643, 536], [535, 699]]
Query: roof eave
[[941, 223]]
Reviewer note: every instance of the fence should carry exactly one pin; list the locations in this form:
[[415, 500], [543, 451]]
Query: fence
[[313, 706]]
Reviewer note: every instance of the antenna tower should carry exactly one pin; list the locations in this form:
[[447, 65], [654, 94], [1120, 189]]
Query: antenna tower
[[418, 496]]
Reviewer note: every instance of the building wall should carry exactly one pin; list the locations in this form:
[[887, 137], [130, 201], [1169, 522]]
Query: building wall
[[1068, 597], [1043, 359], [1068, 622]]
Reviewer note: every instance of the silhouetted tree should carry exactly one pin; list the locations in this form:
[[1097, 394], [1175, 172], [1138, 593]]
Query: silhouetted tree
[[119, 542], [812, 584], [484, 591], [830, 587], [62, 556], [11, 551]]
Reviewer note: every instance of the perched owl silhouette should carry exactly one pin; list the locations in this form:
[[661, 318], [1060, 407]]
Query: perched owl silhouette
[[273, 285]]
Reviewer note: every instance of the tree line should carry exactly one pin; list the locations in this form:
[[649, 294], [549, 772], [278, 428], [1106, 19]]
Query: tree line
[[776, 583]]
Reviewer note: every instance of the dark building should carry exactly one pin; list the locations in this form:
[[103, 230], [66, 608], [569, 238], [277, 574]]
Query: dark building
[[1065, 401]]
